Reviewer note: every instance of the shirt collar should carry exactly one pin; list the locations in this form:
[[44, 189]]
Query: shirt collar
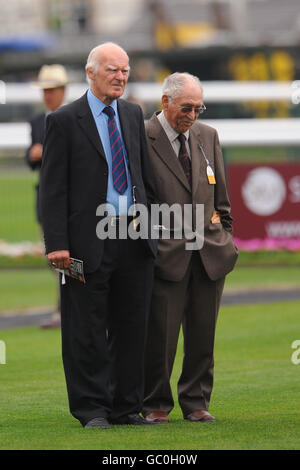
[[97, 105], [171, 133]]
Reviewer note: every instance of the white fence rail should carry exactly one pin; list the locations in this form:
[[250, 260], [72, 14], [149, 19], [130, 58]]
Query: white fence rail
[[14, 136], [232, 132], [228, 91], [214, 91]]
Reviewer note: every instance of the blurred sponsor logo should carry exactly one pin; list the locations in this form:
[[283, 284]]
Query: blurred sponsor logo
[[283, 229], [264, 191]]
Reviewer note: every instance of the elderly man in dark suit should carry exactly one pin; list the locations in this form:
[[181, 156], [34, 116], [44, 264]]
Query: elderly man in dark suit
[[95, 155], [52, 80], [188, 169]]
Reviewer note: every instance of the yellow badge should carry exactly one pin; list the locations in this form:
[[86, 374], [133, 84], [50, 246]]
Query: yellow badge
[[215, 219], [210, 175]]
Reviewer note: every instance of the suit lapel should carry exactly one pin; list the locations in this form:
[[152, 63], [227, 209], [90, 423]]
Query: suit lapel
[[164, 150], [87, 123]]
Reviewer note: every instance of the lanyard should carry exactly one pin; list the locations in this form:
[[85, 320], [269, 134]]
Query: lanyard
[[209, 171]]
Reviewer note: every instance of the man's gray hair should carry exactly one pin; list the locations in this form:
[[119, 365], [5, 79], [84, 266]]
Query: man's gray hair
[[174, 83], [92, 60]]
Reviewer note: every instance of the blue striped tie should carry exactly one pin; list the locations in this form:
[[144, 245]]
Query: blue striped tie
[[117, 152]]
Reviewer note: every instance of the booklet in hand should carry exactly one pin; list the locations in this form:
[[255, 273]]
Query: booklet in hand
[[74, 270]]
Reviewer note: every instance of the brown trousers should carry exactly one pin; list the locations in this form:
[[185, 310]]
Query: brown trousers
[[193, 303]]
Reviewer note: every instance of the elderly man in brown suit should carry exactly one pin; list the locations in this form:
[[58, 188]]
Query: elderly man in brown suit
[[188, 168]]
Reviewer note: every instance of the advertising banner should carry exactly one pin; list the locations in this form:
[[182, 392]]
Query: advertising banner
[[265, 202]]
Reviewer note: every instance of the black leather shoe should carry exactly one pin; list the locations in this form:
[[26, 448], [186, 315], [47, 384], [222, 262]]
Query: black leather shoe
[[101, 423], [134, 419]]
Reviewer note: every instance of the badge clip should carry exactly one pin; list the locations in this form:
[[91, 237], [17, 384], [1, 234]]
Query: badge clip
[[210, 175]]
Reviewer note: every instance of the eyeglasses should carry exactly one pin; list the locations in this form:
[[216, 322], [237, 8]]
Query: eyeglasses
[[197, 109]]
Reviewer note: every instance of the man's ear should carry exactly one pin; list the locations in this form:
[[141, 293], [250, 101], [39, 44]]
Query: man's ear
[[90, 73], [164, 101]]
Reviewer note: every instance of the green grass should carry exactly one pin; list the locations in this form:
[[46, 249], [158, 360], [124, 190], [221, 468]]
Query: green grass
[[263, 277], [21, 262], [255, 400], [269, 258], [27, 288], [23, 289], [17, 206], [246, 259]]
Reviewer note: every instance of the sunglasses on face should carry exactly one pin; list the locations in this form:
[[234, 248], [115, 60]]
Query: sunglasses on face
[[197, 109]]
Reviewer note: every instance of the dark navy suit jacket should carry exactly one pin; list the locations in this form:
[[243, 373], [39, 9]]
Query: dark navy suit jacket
[[74, 176]]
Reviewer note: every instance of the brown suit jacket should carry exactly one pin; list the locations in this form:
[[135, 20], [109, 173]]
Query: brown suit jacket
[[218, 253]]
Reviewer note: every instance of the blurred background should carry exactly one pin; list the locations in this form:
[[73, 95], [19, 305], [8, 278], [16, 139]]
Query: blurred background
[[245, 52]]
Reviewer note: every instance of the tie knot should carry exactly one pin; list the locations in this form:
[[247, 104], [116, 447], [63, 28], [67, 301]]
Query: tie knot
[[181, 138], [108, 110]]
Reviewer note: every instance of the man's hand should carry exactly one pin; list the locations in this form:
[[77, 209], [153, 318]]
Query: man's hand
[[35, 153], [59, 259]]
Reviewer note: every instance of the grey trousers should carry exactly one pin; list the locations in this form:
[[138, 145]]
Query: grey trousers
[[193, 303]]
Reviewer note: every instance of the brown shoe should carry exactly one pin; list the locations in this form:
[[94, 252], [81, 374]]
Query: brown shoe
[[157, 416], [201, 415]]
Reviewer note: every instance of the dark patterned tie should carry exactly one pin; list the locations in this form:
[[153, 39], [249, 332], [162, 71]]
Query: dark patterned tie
[[185, 159], [117, 152]]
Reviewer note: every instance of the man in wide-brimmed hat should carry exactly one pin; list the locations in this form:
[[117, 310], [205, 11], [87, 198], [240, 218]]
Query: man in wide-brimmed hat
[[52, 80]]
